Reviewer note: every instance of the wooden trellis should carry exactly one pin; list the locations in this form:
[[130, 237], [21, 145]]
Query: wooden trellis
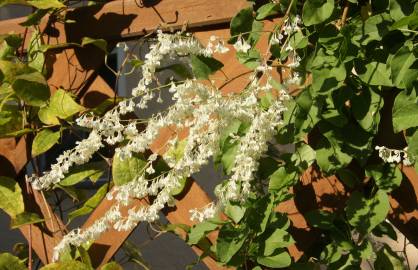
[[75, 69]]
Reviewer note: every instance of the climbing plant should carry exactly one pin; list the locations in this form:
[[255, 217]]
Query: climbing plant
[[337, 81]]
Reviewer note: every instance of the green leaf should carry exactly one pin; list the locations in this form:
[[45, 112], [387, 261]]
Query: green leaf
[[388, 260], [176, 152], [10, 70], [126, 170], [411, 21], [8, 45], [32, 88], [281, 178], [84, 255], [200, 230], [387, 176], [34, 18], [234, 211], [90, 204], [62, 105], [260, 213], [365, 106], [132, 251], [99, 43], [229, 242], [36, 57], [404, 112], [267, 10], [17, 133], [365, 214], [92, 170], [67, 265], [25, 218], [204, 66], [412, 140], [44, 140], [317, 11], [329, 155], [228, 157], [374, 73], [179, 69], [331, 253], [251, 59], [348, 177], [11, 197], [106, 105], [136, 63], [279, 260], [10, 119], [77, 194], [47, 116], [46, 4], [298, 40], [112, 266], [404, 67], [177, 191], [400, 8], [374, 28], [242, 23], [10, 262], [321, 219], [266, 100], [330, 38], [256, 32], [304, 156], [385, 229], [327, 79], [278, 239]]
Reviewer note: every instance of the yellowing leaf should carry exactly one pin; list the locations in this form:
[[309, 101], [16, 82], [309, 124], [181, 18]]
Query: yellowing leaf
[[46, 4], [100, 43], [44, 140], [10, 262], [11, 199], [25, 218], [126, 170], [61, 105], [32, 88], [67, 265]]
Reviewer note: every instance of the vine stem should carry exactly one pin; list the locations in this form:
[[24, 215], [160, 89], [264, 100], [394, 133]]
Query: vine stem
[[234, 78], [30, 236], [345, 13]]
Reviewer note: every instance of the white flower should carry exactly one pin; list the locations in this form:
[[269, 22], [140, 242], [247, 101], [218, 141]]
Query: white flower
[[150, 169], [241, 45], [394, 155], [276, 38], [207, 212], [288, 48]]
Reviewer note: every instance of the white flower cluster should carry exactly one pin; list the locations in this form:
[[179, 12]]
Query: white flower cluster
[[169, 45], [209, 211], [394, 155], [241, 45], [199, 108], [283, 37], [79, 155]]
